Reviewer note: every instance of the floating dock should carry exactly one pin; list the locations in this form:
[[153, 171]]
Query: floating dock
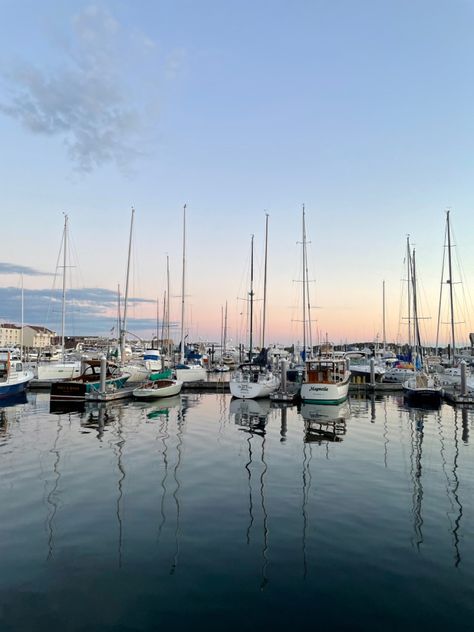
[[454, 396]]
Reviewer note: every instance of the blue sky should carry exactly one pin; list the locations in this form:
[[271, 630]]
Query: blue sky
[[361, 110]]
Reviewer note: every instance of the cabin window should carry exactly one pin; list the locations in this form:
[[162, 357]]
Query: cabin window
[[19, 366]]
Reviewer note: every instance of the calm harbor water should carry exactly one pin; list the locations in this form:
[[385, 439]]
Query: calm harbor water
[[202, 511]]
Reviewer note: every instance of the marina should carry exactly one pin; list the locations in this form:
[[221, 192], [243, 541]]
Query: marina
[[106, 505], [236, 316]]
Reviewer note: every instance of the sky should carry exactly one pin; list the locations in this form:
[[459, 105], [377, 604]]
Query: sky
[[361, 111]]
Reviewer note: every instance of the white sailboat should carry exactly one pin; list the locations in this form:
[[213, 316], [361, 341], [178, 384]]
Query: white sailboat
[[64, 369], [422, 388], [185, 371], [252, 381]]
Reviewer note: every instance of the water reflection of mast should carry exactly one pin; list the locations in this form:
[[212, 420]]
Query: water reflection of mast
[[417, 445], [306, 476], [457, 522], [179, 434], [265, 517], [118, 450], [249, 471], [51, 497], [385, 432], [165, 435]]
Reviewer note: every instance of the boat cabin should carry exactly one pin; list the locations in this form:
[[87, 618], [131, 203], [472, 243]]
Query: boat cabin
[[325, 370]]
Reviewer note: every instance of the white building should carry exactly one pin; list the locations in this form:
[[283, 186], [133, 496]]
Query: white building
[[10, 335], [35, 337]]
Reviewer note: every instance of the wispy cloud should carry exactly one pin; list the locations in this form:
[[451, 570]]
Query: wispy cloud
[[86, 100], [12, 268]]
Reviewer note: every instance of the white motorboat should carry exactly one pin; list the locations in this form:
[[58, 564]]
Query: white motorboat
[[326, 380], [158, 388], [14, 377]]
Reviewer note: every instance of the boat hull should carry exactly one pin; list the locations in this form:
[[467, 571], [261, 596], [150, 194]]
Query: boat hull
[[15, 384], [322, 393], [157, 391], [193, 374], [72, 390], [8, 390], [58, 371], [427, 393], [245, 389]]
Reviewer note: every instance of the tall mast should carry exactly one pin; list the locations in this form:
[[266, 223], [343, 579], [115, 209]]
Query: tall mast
[[163, 324], [168, 305], [416, 331], [409, 281], [383, 314], [310, 334], [251, 302], [157, 321], [222, 330], [183, 286], [225, 328], [265, 282], [304, 287], [450, 281], [123, 333], [63, 310], [22, 318], [119, 314]]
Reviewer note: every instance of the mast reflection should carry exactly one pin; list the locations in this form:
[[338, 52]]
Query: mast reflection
[[252, 416]]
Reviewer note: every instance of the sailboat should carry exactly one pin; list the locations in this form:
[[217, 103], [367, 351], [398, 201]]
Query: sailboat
[[252, 380], [185, 371], [450, 375], [422, 388], [62, 370], [326, 378]]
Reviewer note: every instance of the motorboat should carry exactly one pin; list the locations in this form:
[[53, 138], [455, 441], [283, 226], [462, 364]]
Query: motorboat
[[14, 376], [326, 380]]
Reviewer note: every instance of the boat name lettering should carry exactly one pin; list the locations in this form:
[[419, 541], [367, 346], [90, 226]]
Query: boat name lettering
[[318, 388]]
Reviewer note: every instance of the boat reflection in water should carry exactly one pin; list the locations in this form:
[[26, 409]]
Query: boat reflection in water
[[162, 409], [325, 422], [251, 413]]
